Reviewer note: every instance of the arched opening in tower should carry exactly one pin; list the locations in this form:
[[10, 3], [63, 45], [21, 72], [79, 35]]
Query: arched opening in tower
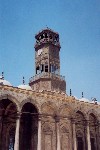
[[8, 112], [29, 127]]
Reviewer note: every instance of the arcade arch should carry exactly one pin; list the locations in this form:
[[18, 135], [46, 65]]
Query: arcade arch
[[8, 113], [29, 127], [80, 131]]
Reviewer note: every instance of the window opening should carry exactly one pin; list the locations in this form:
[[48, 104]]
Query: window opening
[[46, 68], [42, 36], [37, 70], [46, 35]]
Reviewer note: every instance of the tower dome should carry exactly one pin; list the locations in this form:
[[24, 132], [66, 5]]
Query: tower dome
[[4, 82], [24, 86], [84, 99]]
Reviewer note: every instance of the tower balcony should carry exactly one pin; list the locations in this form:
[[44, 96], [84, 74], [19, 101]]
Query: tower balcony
[[47, 41], [46, 75]]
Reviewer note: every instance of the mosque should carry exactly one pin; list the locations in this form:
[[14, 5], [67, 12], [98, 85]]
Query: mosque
[[41, 116]]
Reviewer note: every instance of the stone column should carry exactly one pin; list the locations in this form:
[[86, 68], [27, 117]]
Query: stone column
[[16, 145], [39, 134], [58, 137], [88, 137], [74, 135], [98, 134], [1, 128], [57, 133]]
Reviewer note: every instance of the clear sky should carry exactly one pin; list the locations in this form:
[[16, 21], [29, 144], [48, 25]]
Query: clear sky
[[78, 23]]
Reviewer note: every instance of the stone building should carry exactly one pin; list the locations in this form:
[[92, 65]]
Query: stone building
[[41, 116]]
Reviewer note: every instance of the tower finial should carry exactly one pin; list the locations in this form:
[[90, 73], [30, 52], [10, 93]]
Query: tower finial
[[3, 75], [23, 80], [82, 95], [70, 92], [46, 26]]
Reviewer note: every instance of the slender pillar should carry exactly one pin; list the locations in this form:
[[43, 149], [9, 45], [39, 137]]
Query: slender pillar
[[88, 137], [57, 133], [58, 137], [1, 128], [39, 134], [74, 135], [16, 145], [98, 135]]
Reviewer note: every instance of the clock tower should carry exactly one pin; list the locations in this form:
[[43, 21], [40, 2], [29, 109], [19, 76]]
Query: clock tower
[[47, 63]]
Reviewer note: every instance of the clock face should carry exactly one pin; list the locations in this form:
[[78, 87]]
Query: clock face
[[39, 52]]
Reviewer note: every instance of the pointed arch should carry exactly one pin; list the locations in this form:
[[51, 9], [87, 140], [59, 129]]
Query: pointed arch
[[29, 126], [79, 109], [80, 119], [12, 99], [32, 101], [8, 116], [94, 130], [93, 112]]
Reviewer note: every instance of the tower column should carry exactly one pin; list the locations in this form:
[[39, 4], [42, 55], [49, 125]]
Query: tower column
[[99, 134], [74, 135], [88, 136], [16, 145], [1, 127], [39, 134], [58, 133]]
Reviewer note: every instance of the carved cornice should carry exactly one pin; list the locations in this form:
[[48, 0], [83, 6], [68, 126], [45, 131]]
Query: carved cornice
[[56, 96]]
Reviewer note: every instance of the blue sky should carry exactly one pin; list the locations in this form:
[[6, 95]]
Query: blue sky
[[78, 23]]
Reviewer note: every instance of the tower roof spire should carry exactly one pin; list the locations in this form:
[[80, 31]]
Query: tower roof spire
[[3, 75], [23, 81]]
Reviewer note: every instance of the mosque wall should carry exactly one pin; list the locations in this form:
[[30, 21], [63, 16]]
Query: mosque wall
[[58, 113]]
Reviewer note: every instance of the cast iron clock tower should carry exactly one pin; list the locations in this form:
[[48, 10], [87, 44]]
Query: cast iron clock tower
[[47, 63]]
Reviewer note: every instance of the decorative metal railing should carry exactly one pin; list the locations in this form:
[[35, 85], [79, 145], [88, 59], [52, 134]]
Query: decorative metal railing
[[46, 75]]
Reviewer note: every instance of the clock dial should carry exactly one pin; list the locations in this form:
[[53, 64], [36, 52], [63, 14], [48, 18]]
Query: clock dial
[[39, 52]]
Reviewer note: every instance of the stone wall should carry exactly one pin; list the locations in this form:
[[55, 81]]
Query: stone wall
[[49, 105]]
